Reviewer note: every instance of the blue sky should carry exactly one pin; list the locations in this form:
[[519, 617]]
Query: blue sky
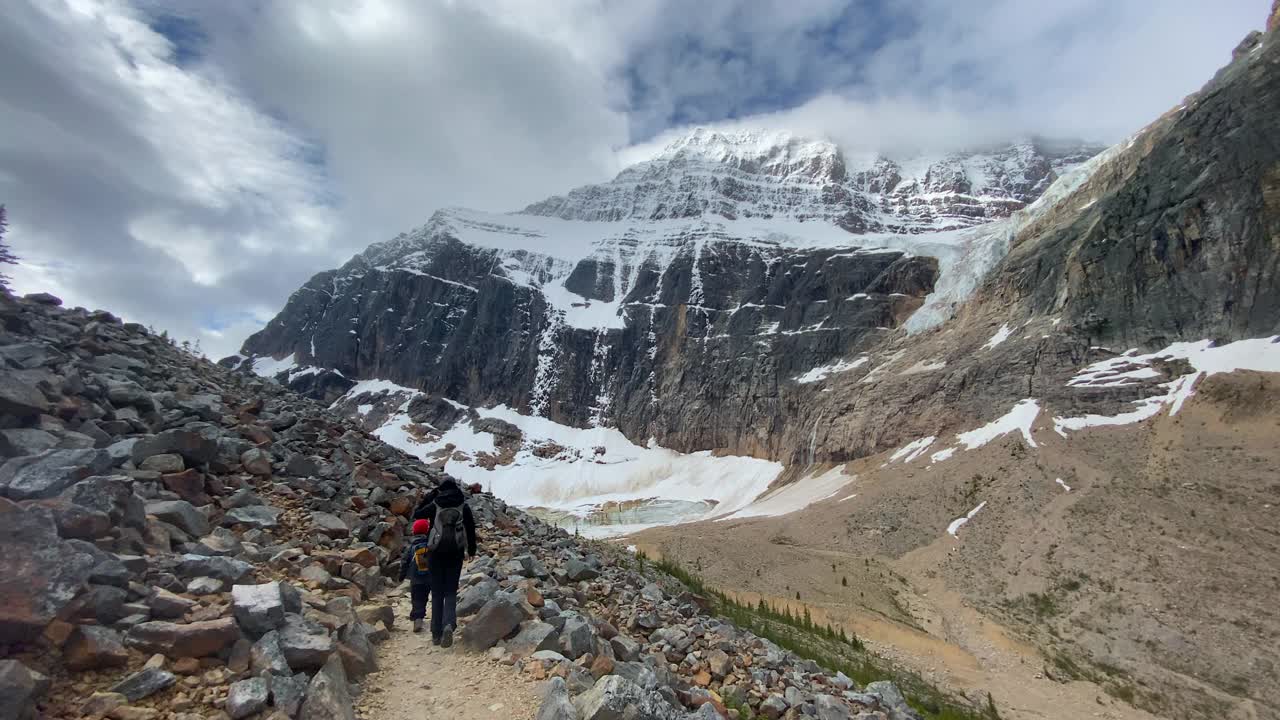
[[188, 164]]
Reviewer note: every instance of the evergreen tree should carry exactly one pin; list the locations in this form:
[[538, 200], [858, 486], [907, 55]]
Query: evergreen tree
[[6, 255]]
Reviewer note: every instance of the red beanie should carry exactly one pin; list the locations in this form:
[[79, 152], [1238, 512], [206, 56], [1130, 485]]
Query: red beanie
[[421, 527]]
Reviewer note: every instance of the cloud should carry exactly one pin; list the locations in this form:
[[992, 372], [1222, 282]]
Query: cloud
[[188, 164]]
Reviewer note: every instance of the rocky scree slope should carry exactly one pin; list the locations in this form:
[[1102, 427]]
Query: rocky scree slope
[[184, 542]]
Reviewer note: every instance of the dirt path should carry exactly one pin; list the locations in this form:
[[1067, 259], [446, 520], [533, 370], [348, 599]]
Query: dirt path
[[418, 680]]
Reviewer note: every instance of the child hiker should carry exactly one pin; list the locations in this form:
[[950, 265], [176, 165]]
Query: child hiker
[[414, 566]]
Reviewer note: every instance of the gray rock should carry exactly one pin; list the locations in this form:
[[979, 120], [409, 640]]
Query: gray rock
[[247, 697], [256, 461], [773, 707], [496, 620], [228, 570], [306, 645], [121, 451], [111, 495], [624, 648], [266, 656], [168, 606], [578, 570], [300, 465], [577, 638], [471, 599], [331, 525], [616, 698], [206, 407], [556, 704], [533, 636], [287, 693], [262, 517], [25, 441], [891, 700], [40, 574], [219, 542], [125, 392], [356, 650], [197, 444], [328, 697], [829, 708], [164, 463], [20, 687], [638, 673], [36, 477], [258, 608], [93, 647], [707, 711], [144, 684], [243, 498], [182, 515], [202, 586], [19, 398], [719, 663]]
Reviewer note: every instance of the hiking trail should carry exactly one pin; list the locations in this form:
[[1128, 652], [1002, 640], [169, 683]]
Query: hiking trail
[[417, 679]]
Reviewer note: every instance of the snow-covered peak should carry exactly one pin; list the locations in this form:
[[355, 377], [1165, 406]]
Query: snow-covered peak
[[765, 150]]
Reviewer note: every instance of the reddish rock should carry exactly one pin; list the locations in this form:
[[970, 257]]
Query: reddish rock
[[91, 647], [188, 484], [401, 505], [197, 639], [361, 556], [602, 666]]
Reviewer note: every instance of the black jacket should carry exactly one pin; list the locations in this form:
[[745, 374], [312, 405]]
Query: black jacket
[[449, 495]]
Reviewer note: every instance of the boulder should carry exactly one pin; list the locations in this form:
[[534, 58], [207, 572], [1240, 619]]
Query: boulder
[[258, 608], [20, 687], [188, 485], [168, 606], [164, 463], [256, 461], [577, 570], [228, 570], [829, 708], [534, 636], [93, 647], [144, 684], [375, 614], [46, 475], [125, 393], [182, 515], [196, 445], [624, 648], [288, 692], [247, 697], [306, 645], [496, 620], [556, 704], [719, 663], [330, 525], [615, 698], [25, 441], [471, 599], [202, 586], [328, 697], [356, 651], [40, 574], [891, 700], [266, 656], [773, 707], [197, 639], [260, 517], [19, 398], [111, 495], [577, 638]]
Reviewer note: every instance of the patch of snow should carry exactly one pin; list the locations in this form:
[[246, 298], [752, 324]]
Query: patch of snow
[[958, 523], [942, 455], [924, 367], [795, 496], [1065, 487], [912, 450], [1019, 419], [1001, 335], [1260, 354], [822, 373], [364, 409], [269, 367]]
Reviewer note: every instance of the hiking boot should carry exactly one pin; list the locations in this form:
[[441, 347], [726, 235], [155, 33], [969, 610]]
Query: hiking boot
[[446, 640], [417, 626], [435, 640]]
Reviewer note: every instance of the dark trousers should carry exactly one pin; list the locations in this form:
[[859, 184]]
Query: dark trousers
[[419, 594], [444, 594]]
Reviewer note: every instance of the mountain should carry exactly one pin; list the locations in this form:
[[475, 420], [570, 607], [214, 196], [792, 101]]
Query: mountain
[[1033, 382]]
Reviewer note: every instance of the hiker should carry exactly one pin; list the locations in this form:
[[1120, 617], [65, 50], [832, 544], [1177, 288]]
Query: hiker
[[453, 533], [415, 565], [423, 511]]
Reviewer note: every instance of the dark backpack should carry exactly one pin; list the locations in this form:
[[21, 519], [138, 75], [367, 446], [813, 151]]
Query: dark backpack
[[419, 559], [448, 532]]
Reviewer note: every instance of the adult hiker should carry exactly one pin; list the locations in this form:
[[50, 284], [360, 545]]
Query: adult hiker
[[423, 510], [416, 567], [453, 534]]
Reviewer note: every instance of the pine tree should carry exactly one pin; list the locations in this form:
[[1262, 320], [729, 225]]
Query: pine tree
[[6, 255]]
